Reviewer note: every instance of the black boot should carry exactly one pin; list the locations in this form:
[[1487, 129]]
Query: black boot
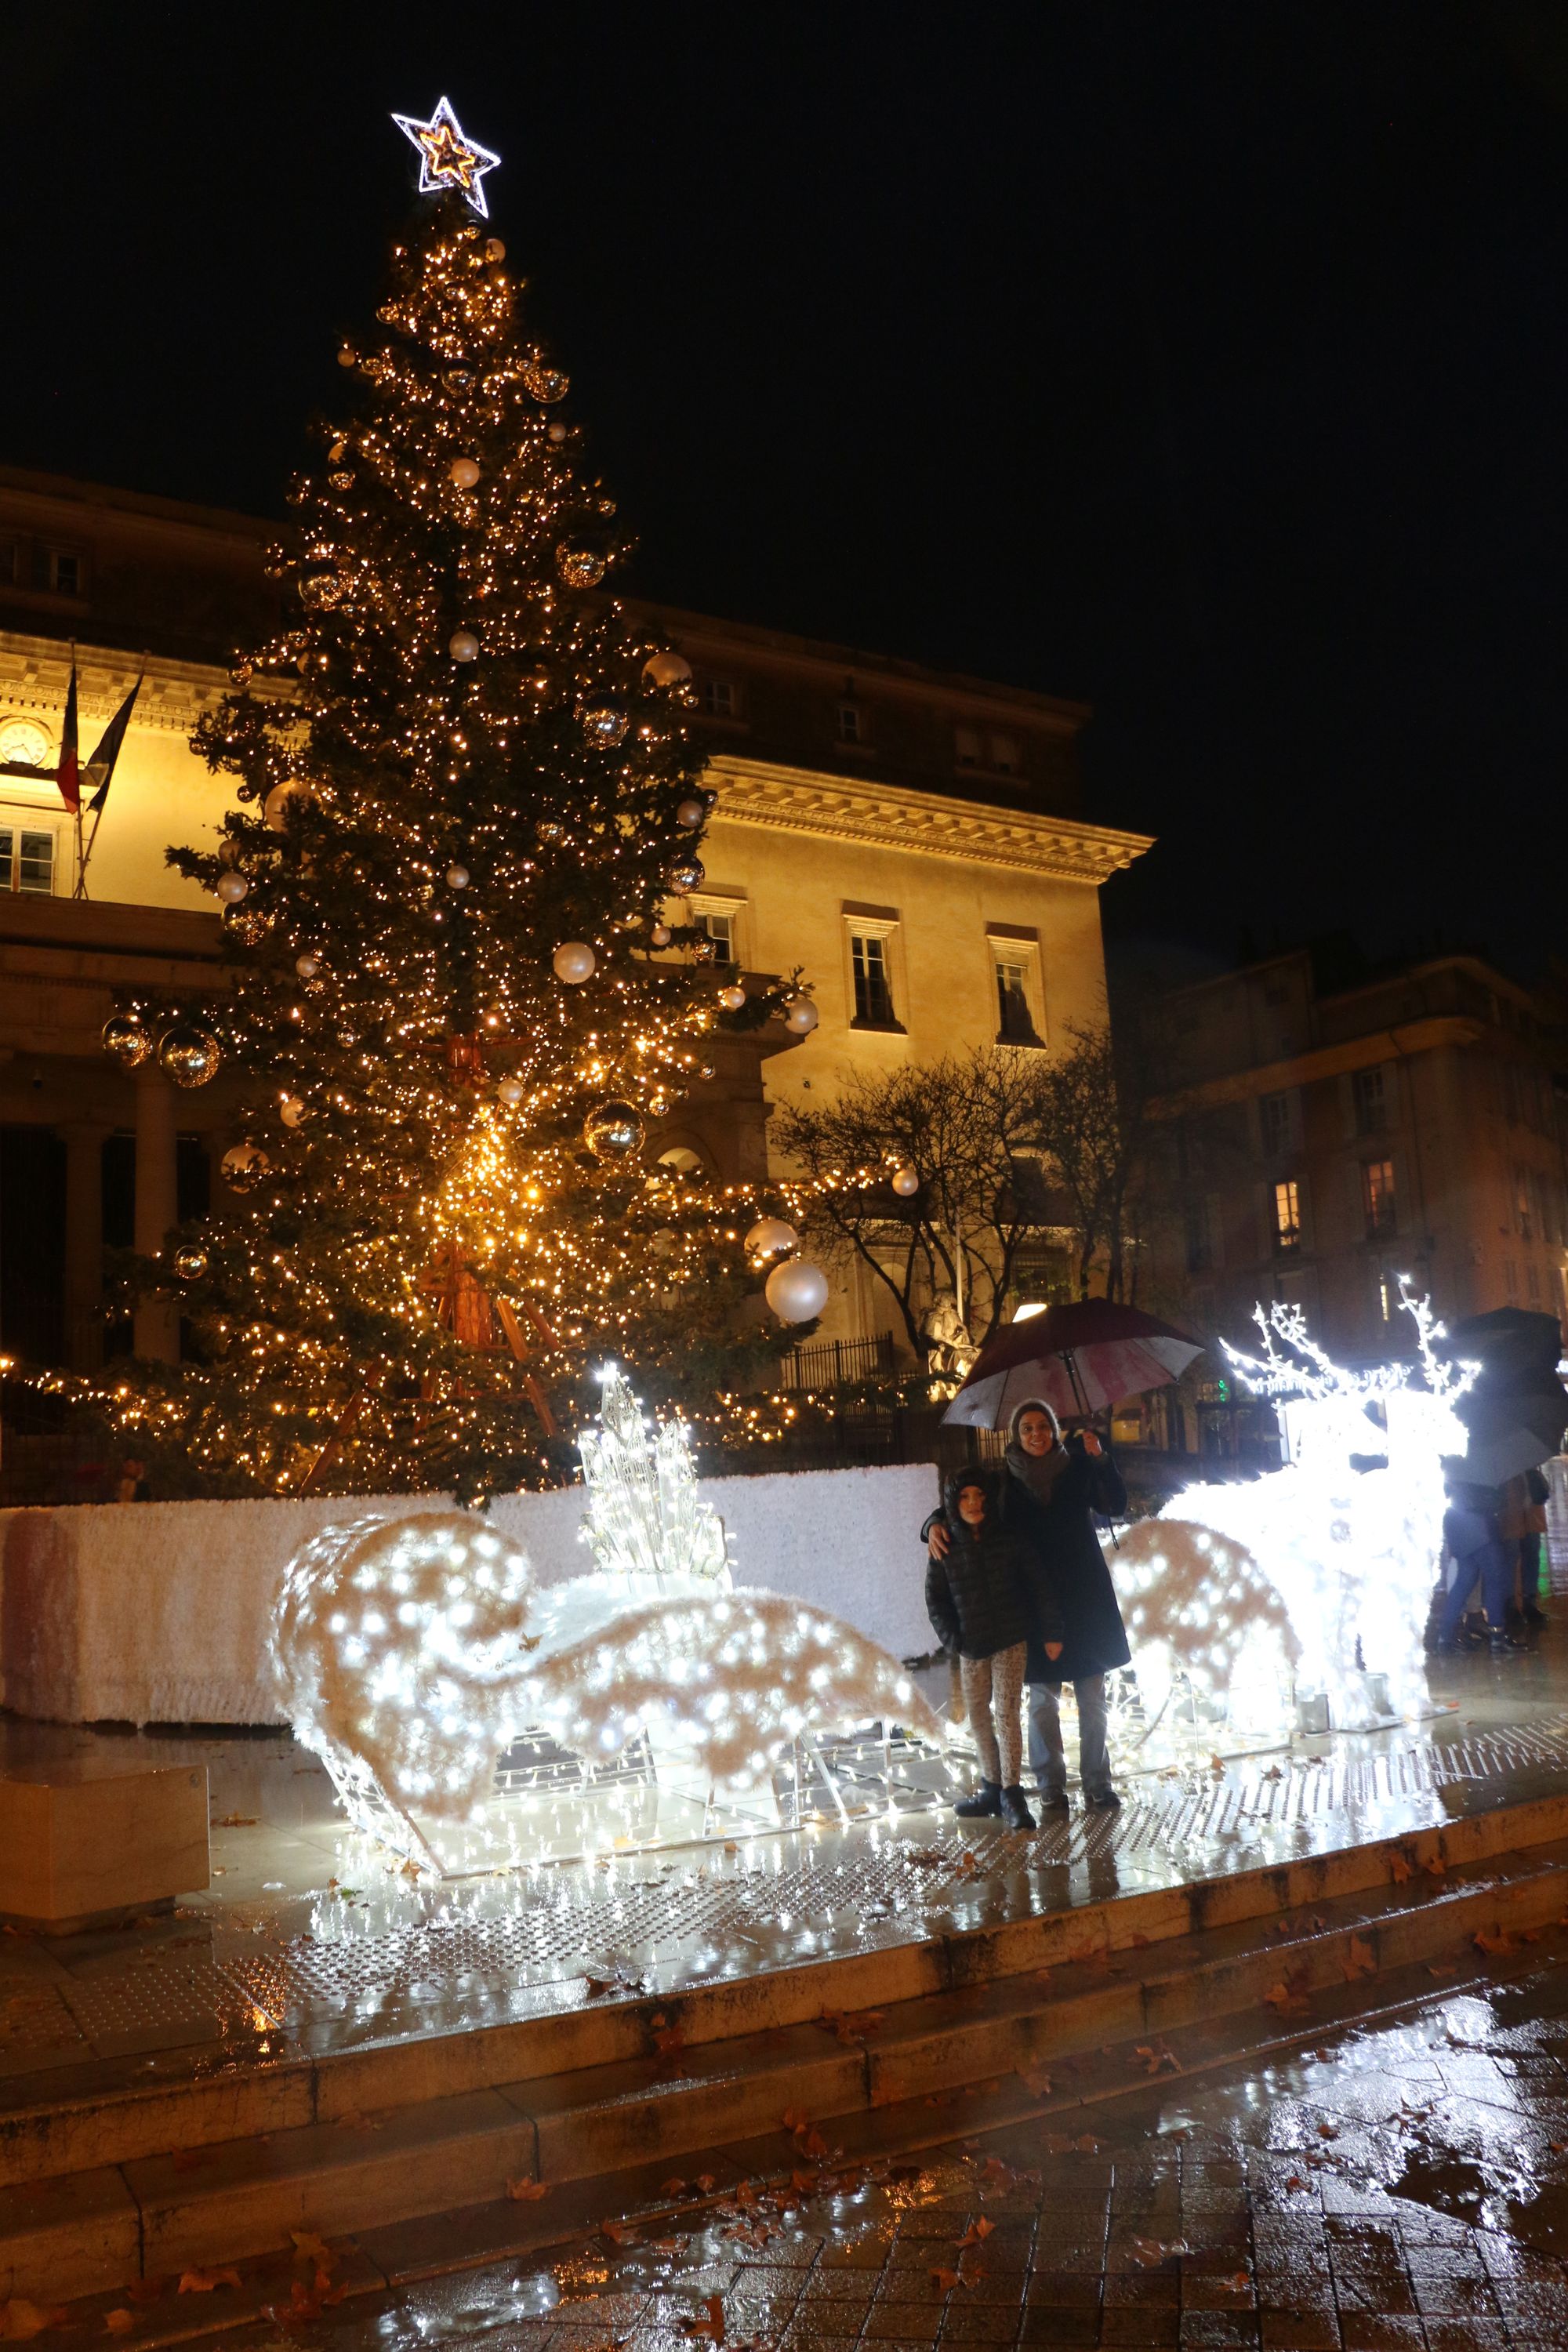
[[1015, 1812], [986, 1800]]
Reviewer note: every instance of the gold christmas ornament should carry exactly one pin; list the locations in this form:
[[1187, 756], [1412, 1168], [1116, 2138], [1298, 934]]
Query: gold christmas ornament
[[465, 472], [546, 384], [580, 567], [232, 888], [463, 646], [457, 877], [291, 1109], [905, 1182], [614, 1131], [125, 1041], [189, 1055], [667, 668], [190, 1263], [603, 725], [244, 1167], [732, 998]]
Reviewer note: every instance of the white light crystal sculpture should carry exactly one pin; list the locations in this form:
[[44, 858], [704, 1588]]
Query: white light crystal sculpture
[[1352, 1553], [644, 1516], [399, 1646], [410, 1653]]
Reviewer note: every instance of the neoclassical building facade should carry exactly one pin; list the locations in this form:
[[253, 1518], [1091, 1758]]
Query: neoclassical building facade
[[911, 841]]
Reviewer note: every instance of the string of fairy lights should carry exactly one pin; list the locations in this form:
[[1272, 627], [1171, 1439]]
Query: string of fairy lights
[[454, 997]]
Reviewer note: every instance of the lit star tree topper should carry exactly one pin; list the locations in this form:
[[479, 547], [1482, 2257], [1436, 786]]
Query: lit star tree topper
[[447, 158]]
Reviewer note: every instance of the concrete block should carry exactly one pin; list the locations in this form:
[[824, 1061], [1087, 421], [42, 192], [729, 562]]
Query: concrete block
[[83, 1844]]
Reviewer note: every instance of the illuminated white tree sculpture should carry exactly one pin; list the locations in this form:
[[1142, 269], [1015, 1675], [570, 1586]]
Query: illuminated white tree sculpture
[[645, 1515], [1352, 1553]]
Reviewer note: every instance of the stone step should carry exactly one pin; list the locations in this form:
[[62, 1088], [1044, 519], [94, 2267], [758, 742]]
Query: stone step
[[112, 2114], [646, 2199], [1006, 2032]]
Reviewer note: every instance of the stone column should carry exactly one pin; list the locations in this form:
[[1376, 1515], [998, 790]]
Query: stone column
[[157, 1204], [84, 1246]]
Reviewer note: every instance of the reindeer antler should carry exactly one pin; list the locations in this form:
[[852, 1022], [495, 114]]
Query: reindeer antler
[[1444, 1379]]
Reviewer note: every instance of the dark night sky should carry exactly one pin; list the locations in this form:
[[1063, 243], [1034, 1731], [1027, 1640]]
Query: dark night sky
[[1207, 363]]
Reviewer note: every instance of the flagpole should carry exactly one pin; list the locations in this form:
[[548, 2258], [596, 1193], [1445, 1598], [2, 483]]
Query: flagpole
[[113, 737]]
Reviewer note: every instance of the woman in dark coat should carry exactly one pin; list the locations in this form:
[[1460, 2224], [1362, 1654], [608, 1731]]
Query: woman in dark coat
[[1051, 1487]]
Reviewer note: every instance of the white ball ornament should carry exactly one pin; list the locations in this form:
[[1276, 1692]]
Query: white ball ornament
[[231, 889], [667, 670], [292, 1110], [800, 1015], [661, 934], [512, 1091], [771, 1237], [308, 965], [796, 1290], [905, 1182], [463, 646], [464, 472], [691, 812], [457, 877], [573, 961], [732, 998]]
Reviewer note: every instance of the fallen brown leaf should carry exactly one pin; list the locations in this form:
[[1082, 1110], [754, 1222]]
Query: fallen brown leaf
[[528, 2192], [20, 2320], [310, 2248], [945, 2281], [1399, 1870], [1037, 2083], [239, 1821], [118, 2323], [711, 2324], [198, 2282]]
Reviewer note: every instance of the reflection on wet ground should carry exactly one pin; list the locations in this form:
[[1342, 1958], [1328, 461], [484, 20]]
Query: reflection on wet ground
[[1406, 2186], [310, 1938]]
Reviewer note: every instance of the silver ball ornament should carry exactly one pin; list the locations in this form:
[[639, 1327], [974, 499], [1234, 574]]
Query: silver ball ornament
[[463, 646], [667, 670], [796, 1290], [687, 874], [771, 1237], [603, 725], [190, 1263], [732, 998], [691, 812], [573, 961], [232, 888]]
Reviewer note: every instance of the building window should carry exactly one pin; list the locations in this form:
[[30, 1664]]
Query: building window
[[1510, 1281], [720, 698], [27, 859], [1533, 1282], [1387, 1297], [721, 930], [873, 985], [1370, 1103], [1523, 1220], [1377, 1196], [1015, 1020], [999, 754], [851, 723], [1200, 1246], [1274, 1124], [59, 569], [1286, 1216]]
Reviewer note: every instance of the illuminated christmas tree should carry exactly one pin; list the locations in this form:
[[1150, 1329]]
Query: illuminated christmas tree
[[467, 790]]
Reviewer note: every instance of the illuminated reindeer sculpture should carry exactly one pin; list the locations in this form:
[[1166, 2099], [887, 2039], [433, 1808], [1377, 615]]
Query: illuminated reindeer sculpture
[[1352, 1551]]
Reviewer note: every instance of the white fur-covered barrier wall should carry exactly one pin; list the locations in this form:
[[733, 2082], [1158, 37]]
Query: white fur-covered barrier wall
[[158, 1613]]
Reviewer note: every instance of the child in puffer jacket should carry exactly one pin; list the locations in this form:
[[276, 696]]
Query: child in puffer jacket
[[975, 1598]]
